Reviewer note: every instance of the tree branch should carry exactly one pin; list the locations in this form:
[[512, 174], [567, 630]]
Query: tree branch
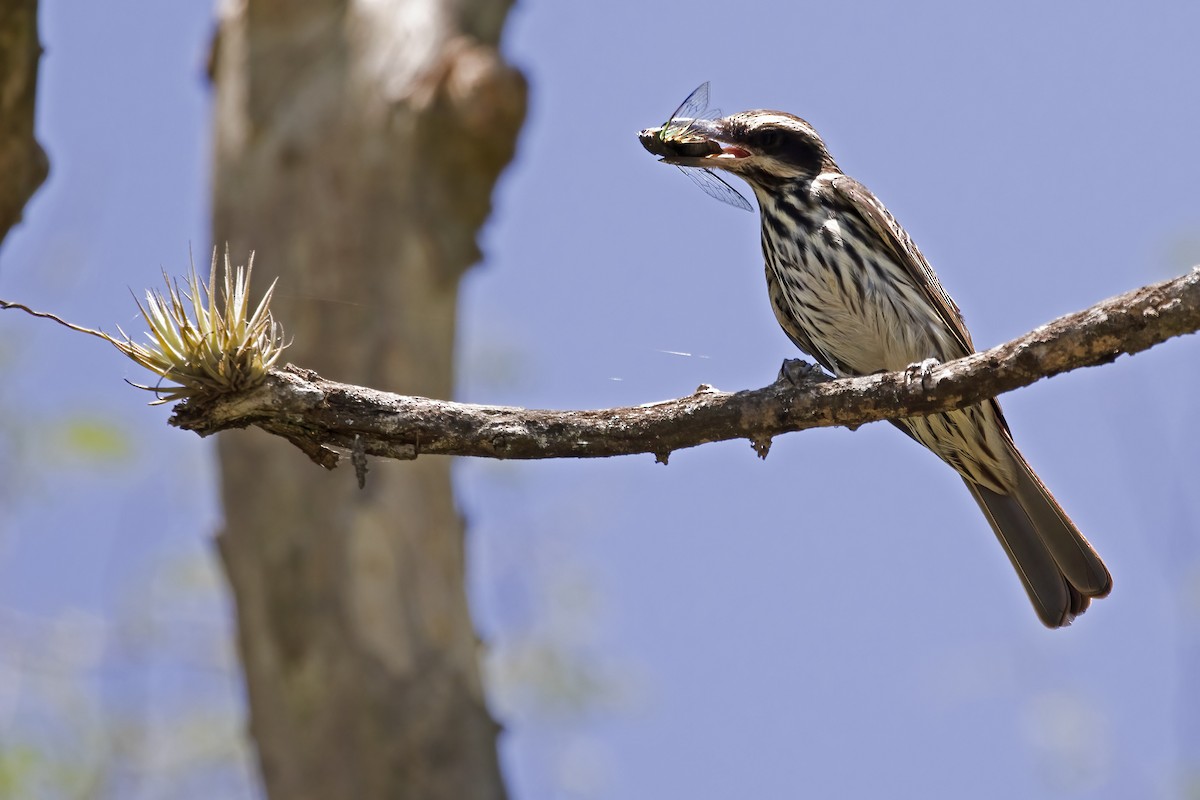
[[322, 417]]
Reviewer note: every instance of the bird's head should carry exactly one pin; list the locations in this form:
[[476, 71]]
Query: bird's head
[[765, 148]]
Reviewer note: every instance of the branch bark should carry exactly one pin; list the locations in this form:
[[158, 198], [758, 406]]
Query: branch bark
[[322, 417]]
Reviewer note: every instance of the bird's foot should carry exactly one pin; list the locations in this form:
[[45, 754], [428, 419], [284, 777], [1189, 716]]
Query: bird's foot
[[800, 373], [924, 370]]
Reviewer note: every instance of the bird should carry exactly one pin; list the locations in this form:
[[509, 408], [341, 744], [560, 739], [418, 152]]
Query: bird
[[850, 288]]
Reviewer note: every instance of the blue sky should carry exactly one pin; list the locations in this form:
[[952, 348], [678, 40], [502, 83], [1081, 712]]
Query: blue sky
[[834, 621]]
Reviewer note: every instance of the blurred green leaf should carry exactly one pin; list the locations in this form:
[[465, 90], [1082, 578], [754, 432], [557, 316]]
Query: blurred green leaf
[[93, 439], [17, 767]]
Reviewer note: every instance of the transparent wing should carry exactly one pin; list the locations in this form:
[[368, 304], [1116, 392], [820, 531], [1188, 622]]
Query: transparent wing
[[694, 107], [715, 186]]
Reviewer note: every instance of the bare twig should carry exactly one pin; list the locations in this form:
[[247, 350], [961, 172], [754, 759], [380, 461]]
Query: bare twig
[[323, 417]]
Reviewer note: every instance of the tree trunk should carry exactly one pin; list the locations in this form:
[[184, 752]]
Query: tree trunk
[[23, 163], [356, 147]]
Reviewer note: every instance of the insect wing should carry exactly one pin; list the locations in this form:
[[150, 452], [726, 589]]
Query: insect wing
[[672, 140], [715, 187], [694, 107]]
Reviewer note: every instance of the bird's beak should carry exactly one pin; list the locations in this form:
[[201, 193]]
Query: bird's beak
[[693, 143]]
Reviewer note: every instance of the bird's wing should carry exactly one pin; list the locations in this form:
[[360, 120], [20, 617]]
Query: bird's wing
[[851, 196]]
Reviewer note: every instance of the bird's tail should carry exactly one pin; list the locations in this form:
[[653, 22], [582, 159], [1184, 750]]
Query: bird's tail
[[1060, 570]]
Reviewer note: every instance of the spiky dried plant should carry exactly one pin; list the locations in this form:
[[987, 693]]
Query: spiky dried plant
[[203, 338], [218, 349]]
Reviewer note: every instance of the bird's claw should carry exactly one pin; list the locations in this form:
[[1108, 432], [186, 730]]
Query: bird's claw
[[799, 372], [923, 369]]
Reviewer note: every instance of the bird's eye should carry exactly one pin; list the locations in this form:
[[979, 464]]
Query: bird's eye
[[770, 139]]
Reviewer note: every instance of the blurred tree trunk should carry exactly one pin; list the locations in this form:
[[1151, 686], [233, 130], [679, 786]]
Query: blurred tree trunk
[[23, 164], [356, 148]]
